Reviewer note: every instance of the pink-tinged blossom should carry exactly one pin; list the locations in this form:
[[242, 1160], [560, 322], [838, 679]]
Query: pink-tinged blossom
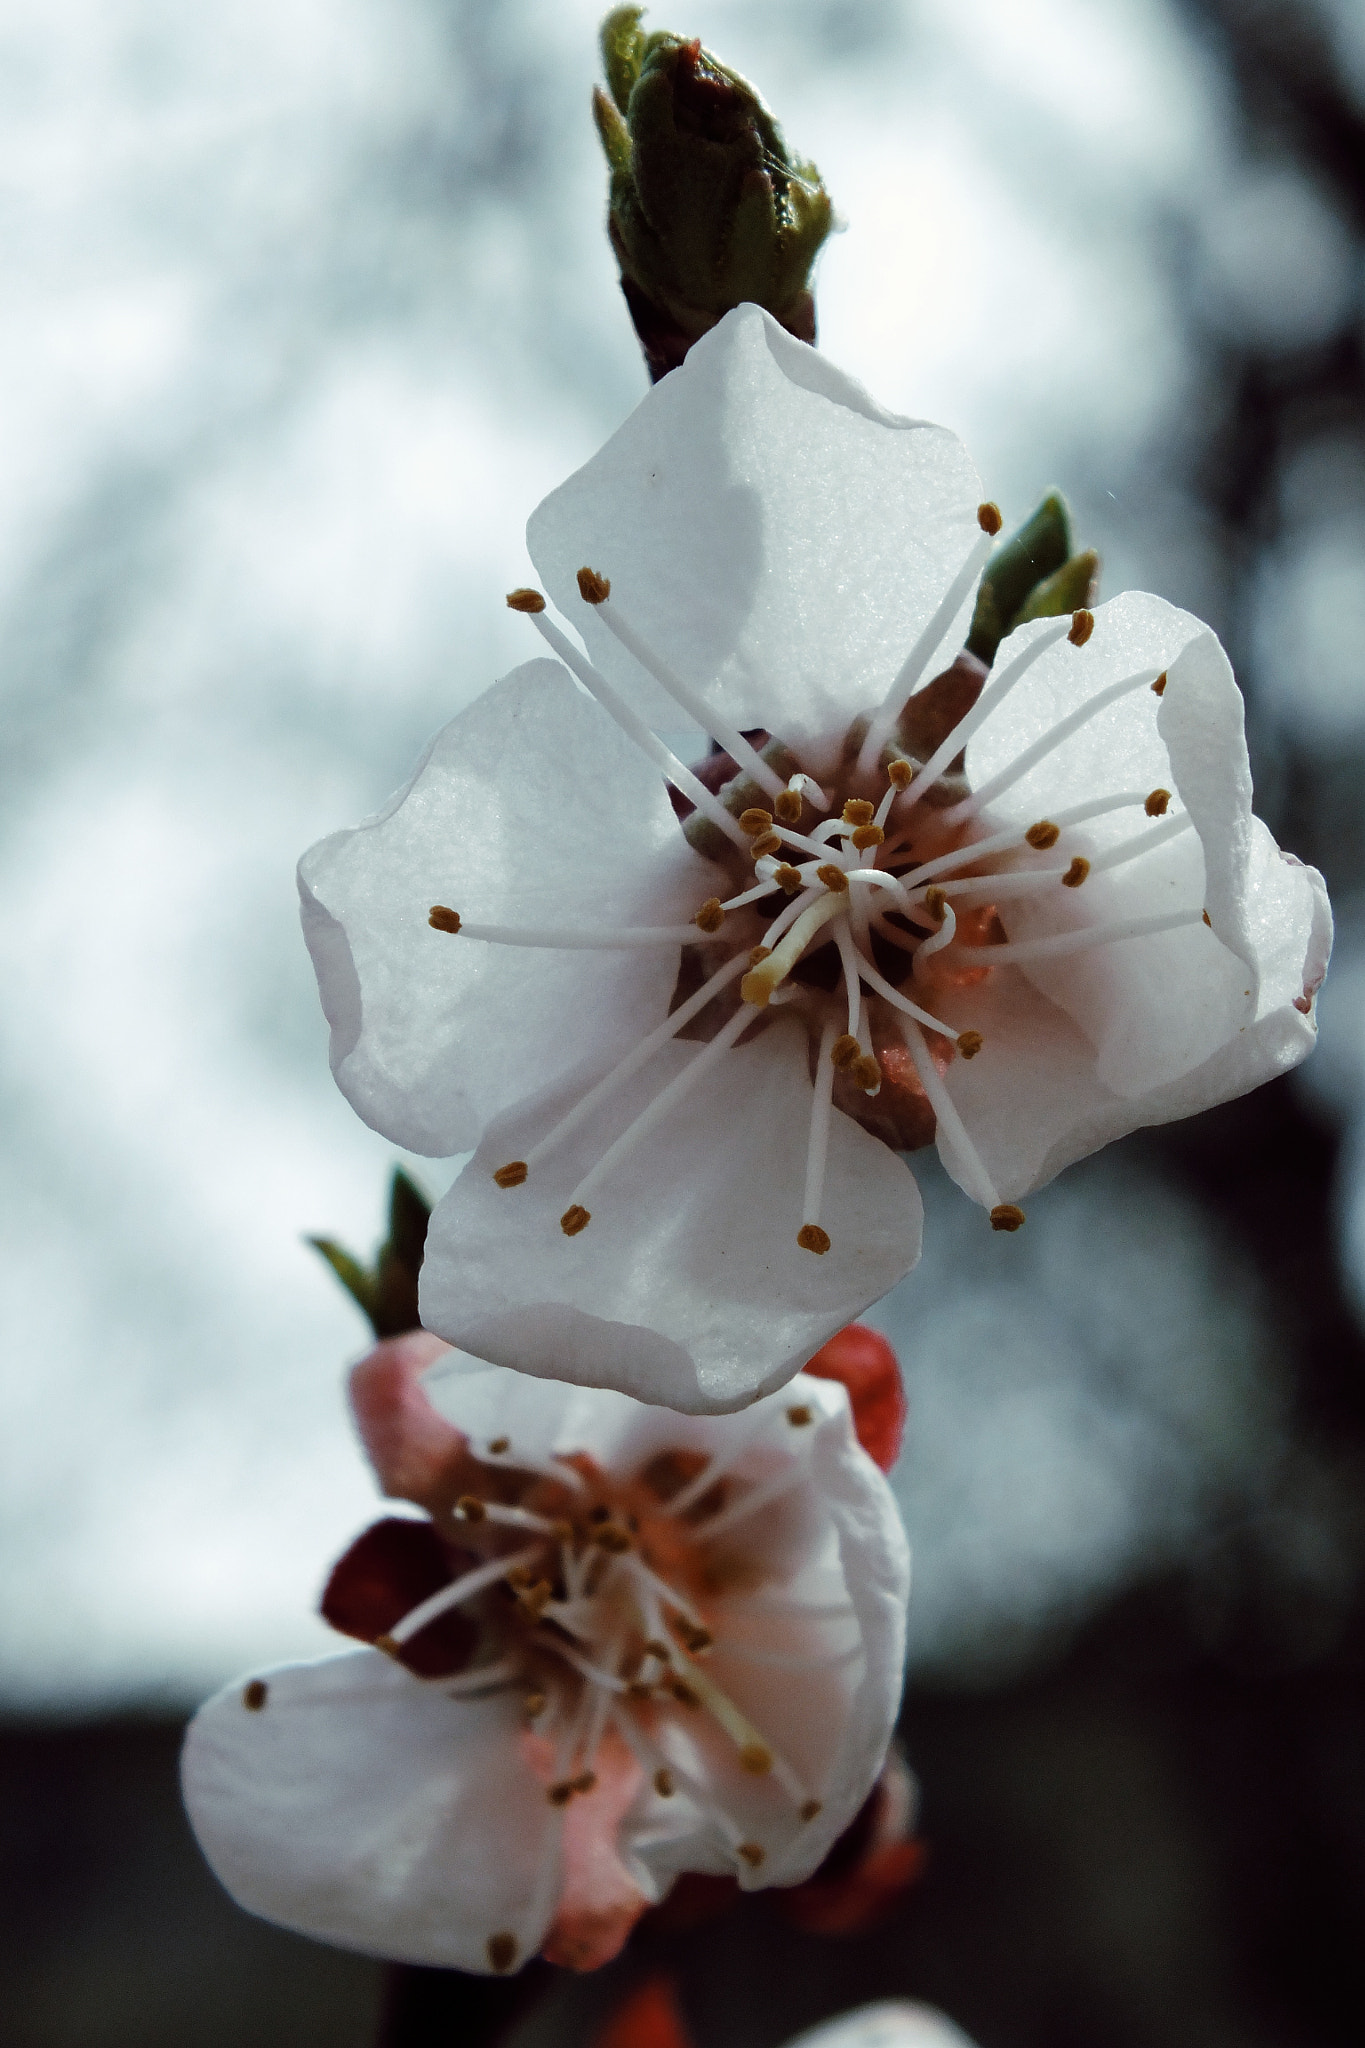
[[1017, 915], [625, 1644]]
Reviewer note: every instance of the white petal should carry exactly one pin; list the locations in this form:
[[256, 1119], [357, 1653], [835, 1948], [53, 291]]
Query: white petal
[[895, 2023], [365, 1807], [529, 808], [688, 1286], [1160, 1007], [778, 537]]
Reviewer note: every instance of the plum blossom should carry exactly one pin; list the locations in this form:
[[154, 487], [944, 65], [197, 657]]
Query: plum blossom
[[621, 1644], [901, 902]]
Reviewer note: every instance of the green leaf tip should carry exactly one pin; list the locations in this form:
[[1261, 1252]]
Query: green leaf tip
[[386, 1292], [707, 209], [1030, 576]]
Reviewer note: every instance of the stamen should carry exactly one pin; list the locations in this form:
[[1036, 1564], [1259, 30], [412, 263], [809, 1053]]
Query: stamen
[[443, 919], [525, 601], [575, 1219], [1049, 742], [1142, 842], [969, 1044], [635, 728], [255, 1693], [663, 1783], [758, 985], [766, 844], [857, 811], [788, 806], [500, 1452], [1076, 942], [835, 878], [811, 1237], [556, 939], [945, 1110], [917, 660], [755, 821], [752, 1852], [989, 518], [512, 1175], [469, 1682], [941, 938], [1159, 686], [1157, 803], [868, 973], [711, 916], [844, 1052], [787, 877], [459, 1590], [995, 692], [634, 1060], [750, 1502], [502, 1952], [1007, 1216], [1082, 626], [1076, 873], [693, 703], [867, 835], [665, 1101]]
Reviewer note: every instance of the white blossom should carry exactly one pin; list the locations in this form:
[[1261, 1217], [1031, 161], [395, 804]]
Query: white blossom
[[684, 1649], [1020, 919]]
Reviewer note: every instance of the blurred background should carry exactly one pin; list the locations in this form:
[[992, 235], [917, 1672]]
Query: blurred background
[[306, 307]]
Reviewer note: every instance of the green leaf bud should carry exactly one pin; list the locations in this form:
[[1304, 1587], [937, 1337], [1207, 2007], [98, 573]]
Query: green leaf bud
[[1019, 565], [386, 1292], [707, 209]]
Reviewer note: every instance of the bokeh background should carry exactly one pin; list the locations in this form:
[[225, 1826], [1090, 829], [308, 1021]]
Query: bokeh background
[[306, 306]]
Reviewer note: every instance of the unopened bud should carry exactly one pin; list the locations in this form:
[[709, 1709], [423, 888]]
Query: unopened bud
[[707, 208]]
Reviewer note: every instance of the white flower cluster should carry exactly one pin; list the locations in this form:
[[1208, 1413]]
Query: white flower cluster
[[690, 1017]]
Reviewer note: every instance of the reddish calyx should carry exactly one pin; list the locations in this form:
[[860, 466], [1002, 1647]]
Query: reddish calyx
[[863, 1362]]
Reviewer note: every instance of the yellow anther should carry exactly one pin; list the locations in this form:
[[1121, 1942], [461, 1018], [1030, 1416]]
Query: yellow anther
[[812, 1238], [755, 821], [751, 1852], [1207, 919], [534, 1704], [255, 1693], [833, 878], [758, 954], [574, 1219], [868, 835], [756, 1759], [810, 1807], [387, 1644], [613, 1539], [1043, 834], [1157, 803], [900, 774], [757, 989], [499, 1444], [636, 1689], [693, 1637], [443, 920], [787, 877], [1007, 1216], [1159, 686], [562, 1793], [787, 806], [989, 517], [585, 1781], [469, 1509], [1076, 873], [845, 1051], [663, 1784], [1082, 626], [711, 916], [525, 601], [867, 1074], [766, 843], [758, 985], [969, 1044], [935, 902], [512, 1175], [857, 811], [800, 1416], [592, 588], [502, 1952], [683, 1693]]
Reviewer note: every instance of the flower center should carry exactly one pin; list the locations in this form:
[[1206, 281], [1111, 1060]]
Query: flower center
[[607, 1601], [831, 890]]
